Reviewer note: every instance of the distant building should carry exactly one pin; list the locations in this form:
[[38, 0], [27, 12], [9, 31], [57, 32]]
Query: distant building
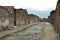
[[43, 20], [33, 18]]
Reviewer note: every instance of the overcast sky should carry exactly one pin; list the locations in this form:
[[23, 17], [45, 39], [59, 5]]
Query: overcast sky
[[34, 4], [41, 5]]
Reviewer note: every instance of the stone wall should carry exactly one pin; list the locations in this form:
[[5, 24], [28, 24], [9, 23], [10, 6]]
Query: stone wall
[[4, 18], [21, 17], [55, 17], [33, 18], [49, 19], [10, 17]]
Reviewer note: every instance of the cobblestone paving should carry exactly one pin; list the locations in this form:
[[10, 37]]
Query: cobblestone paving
[[40, 31], [32, 33]]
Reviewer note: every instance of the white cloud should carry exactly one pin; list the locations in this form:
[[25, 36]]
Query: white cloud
[[35, 4]]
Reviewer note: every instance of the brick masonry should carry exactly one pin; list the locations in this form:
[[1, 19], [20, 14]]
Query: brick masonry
[[54, 17], [10, 17]]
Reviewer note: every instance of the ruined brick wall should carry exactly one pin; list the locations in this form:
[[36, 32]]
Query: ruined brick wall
[[6, 18], [49, 19], [21, 17], [52, 16], [10, 16], [43, 19], [58, 16], [55, 17], [33, 18], [10, 10], [3, 17]]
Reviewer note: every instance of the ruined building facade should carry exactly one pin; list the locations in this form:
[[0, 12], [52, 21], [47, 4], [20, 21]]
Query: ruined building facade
[[6, 17], [33, 18], [54, 17], [10, 17], [21, 17]]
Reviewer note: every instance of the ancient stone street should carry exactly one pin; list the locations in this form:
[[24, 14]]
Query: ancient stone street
[[39, 31]]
